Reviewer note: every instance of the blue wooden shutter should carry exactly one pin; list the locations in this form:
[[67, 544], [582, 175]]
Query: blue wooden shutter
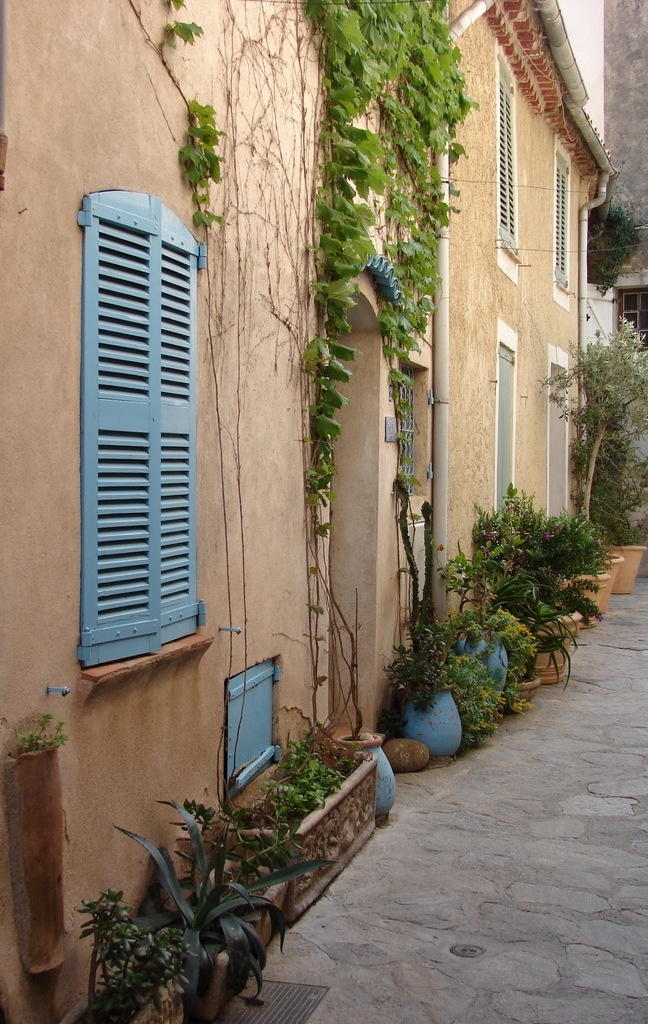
[[249, 724], [138, 577]]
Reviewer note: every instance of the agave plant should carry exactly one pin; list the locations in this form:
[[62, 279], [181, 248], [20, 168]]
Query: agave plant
[[216, 914]]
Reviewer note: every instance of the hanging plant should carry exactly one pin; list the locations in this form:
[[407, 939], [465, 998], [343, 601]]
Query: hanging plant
[[609, 250]]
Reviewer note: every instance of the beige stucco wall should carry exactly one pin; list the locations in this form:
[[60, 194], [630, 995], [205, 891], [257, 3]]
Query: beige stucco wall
[[481, 293], [90, 107]]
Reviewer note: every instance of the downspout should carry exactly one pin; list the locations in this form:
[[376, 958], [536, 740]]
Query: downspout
[[3, 89], [575, 100], [441, 357]]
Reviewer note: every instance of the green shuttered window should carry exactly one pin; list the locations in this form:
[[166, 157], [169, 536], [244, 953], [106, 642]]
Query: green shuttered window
[[506, 162], [560, 263], [138, 579]]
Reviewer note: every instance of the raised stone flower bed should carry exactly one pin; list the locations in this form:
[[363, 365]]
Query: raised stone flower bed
[[334, 832]]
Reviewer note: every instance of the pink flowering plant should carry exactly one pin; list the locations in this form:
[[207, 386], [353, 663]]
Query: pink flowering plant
[[554, 552]]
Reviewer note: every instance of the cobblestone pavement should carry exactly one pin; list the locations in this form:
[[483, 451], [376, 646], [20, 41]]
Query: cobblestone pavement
[[531, 852]]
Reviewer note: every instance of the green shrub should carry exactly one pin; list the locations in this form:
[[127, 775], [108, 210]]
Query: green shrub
[[477, 697]]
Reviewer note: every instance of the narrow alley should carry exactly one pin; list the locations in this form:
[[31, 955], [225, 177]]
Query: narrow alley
[[512, 885]]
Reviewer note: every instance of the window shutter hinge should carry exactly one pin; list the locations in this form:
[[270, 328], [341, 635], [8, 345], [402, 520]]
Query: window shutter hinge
[[431, 397], [276, 673], [202, 613], [277, 753], [202, 256], [430, 471], [84, 218]]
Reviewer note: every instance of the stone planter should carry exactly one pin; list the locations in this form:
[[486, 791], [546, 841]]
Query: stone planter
[[36, 857], [627, 574], [334, 832]]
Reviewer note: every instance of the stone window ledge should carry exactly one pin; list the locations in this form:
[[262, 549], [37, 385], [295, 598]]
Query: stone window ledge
[[196, 644]]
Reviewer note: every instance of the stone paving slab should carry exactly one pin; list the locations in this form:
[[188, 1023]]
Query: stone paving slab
[[533, 848]]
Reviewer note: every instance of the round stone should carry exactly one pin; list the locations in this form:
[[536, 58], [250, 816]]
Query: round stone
[[406, 755]]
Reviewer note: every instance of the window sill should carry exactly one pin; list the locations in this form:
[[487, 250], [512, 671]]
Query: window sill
[[508, 260], [196, 644], [561, 294]]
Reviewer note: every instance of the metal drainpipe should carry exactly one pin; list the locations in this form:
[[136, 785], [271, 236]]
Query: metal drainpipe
[[3, 89], [582, 255], [441, 359]]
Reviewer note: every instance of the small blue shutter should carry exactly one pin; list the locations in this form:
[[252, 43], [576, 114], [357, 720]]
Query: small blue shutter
[[249, 724], [133, 552]]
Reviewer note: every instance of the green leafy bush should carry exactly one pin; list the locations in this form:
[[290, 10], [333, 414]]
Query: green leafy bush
[[477, 697], [129, 966], [311, 770]]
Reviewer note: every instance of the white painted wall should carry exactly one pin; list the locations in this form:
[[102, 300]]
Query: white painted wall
[[584, 23]]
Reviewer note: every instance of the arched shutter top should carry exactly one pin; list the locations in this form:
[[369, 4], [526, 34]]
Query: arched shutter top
[[385, 278]]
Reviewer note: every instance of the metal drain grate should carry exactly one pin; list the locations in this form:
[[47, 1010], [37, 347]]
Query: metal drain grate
[[284, 1003]]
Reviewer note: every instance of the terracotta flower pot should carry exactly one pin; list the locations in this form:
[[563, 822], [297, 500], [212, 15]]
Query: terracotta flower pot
[[36, 845], [602, 597], [616, 562], [551, 670], [529, 687], [627, 573]]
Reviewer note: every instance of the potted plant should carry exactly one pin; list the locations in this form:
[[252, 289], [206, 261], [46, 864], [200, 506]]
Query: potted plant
[[496, 626], [131, 968], [36, 843], [215, 916], [423, 691], [328, 791]]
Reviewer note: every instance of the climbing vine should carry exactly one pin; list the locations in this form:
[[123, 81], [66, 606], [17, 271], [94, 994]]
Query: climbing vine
[[394, 96], [198, 157], [608, 250]]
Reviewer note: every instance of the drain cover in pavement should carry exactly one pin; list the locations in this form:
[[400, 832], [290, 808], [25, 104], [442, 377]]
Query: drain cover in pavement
[[470, 951], [283, 1003]]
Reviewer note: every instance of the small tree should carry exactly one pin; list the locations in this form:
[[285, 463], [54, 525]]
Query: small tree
[[605, 392]]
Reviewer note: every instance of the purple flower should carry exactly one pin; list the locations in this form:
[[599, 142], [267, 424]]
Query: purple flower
[[549, 536]]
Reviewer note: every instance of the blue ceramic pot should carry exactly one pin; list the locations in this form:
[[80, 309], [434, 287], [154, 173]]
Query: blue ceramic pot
[[438, 725], [385, 778], [495, 660]]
